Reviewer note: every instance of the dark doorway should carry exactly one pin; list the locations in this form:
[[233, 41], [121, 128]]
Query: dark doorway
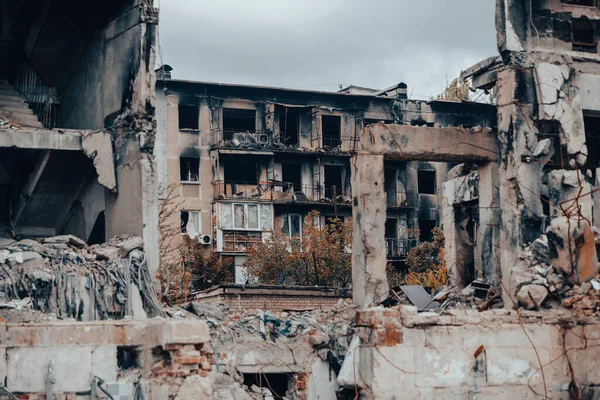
[[289, 125], [426, 182], [98, 233], [291, 173], [333, 181], [391, 228], [426, 229], [331, 127], [390, 186]]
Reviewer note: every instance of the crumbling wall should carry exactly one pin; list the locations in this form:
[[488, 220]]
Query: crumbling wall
[[467, 354]]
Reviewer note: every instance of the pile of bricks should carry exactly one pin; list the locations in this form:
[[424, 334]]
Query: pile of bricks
[[584, 299], [183, 360]]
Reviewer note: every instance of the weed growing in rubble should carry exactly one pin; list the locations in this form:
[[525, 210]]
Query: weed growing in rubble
[[322, 257]]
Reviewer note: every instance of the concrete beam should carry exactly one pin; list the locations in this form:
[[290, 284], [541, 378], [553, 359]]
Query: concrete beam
[[369, 260], [34, 178], [40, 139], [450, 144]]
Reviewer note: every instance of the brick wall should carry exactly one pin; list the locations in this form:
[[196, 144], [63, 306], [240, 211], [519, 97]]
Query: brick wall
[[273, 298]]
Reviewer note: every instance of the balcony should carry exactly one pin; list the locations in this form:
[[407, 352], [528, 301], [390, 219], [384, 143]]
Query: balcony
[[399, 248], [280, 192], [238, 241]]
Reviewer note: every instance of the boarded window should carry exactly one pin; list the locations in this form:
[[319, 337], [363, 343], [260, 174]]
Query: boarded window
[[426, 182], [188, 117], [189, 169]]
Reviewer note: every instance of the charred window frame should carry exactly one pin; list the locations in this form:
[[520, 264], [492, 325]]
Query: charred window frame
[[426, 229], [189, 169], [241, 170], [331, 130], [189, 118], [190, 223], [238, 120], [426, 181], [583, 35], [289, 125]]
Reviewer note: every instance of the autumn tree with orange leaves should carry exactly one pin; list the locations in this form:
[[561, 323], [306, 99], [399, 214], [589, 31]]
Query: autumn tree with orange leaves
[[322, 257]]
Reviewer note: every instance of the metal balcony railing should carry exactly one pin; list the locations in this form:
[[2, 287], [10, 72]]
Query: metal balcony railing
[[40, 94], [331, 141], [239, 138], [395, 198], [399, 248], [280, 191]]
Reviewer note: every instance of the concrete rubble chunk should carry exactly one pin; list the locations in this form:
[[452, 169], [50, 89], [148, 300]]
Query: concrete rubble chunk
[[195, 388], [66, 239], [532, 296], [130, 244]]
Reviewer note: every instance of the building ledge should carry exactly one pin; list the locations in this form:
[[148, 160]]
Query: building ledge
[[42, 139]]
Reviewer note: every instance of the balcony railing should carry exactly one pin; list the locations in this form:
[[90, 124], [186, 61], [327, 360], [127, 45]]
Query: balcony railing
[[399, 248], [239, 242], [38, 91], [236, 138], [396, 198], [280, 191]]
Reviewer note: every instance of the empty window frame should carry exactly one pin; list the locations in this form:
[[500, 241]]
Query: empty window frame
[[289, 125], [583, 36], [240, 170], [238, 120], [586, 3], [334, 183], [189, 117], [246, 216], [291, 225], [426, 182], [189, 169], [331, 129], [190, 223]]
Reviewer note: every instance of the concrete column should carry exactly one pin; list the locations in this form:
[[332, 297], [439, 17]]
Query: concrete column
[[488, 234], [369, 280], [448, 223]]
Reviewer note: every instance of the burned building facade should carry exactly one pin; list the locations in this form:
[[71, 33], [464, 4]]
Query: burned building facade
[[77, 121], [254, 160]]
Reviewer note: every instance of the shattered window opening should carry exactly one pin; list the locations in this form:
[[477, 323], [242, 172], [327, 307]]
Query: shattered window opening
[[331, 130], [190, 223], [277, 384], [127, 357], [189, 169], [425, 229], [583, 36], [291, 173], [334, 184], [426, 182], [188, 117], [292, 225], [238, 120], [240, 170]]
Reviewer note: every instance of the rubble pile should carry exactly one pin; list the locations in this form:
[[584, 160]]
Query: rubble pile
[[64, 278], [324, 333], [562, 268], [6, 123]]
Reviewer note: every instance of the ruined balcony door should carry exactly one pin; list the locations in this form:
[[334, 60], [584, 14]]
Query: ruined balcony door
[[390, 186], [289, 125], [334, 183], [292, 174]]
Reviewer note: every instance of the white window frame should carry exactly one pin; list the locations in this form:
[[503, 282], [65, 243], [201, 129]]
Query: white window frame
[[246, 219], [289, 221], [198, 215], [189, 175]]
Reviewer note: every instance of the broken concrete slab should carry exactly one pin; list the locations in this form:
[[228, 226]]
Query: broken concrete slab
[[532, 296], [98, 147]]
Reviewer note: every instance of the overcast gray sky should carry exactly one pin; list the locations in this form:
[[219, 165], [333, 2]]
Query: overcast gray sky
[[319, 44]]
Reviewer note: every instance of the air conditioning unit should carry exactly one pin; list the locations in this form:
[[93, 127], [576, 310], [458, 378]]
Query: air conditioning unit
[[205, 239]]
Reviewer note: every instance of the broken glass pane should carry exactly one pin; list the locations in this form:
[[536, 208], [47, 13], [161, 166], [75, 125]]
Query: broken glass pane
[[252, 216], [266, 217], [226, 216], [184, 217], [239, 220]]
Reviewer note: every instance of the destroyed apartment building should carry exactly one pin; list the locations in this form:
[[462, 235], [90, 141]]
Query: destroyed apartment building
[[513, 186], [250, 161]]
